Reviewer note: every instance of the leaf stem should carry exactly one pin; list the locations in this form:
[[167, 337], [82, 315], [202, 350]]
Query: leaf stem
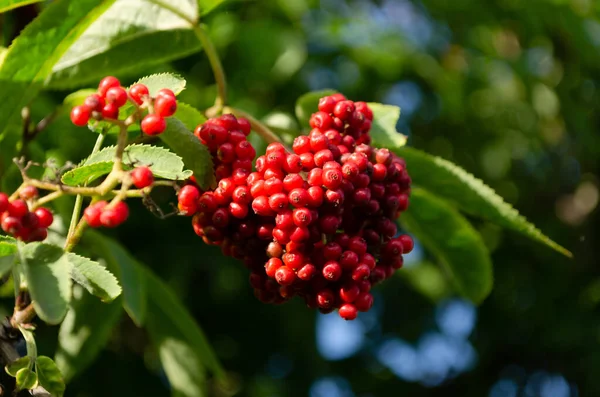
[[215, 64]]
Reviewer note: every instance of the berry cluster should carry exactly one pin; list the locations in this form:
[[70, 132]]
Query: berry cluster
[[105, 104], [102, 214], [17, 220], [318, 223]]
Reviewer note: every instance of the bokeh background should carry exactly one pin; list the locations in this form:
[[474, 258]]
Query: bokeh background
[[508, 89]]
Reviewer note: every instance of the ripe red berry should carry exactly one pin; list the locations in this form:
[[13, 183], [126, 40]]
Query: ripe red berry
[[332, 271], [142, 177], [244, 125], [272, 266], [153, 124], [107, 83], [361, 272], [45, 217], [348, 311], [138, 92], [315, 196], [38, 234], [278, 202], [260, 206], [332, 178], [349, 292], [299, 197], [94, 103], [364, 301], [285, 276], [166, 92], [293, 260], [301, 144], [110, 111], [113, 217], [92, 213], [28, 192], [165, 105], [245, 151], [302, 217], [327, 104], [407, 243], [17, 208], [11, 224], [80, 115], [188, 195], [3, 202], [116, 95], [307, 272], [325, 299]]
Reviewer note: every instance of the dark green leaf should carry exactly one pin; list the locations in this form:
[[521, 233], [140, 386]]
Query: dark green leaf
[[308, 104], [49, 376], [94, 277], [172, 327], [124, 40], [26, 379], [469, 193], [84, 332], [7, 5], [195, 155], [20, 363], [128, 271], [161, 161], [452, 239], [46, 269], [383, 129], [32, 55], [156, 82], [8, 250]]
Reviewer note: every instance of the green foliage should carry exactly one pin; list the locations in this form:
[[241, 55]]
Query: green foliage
[[189, 116], [18, 364], [206, 6], [7, 5], [49, 376], [452, 239], [307, 104], [32, 55], [428, 279], [46, 268], [129, 273], [8, 250], [161, 162], [156, 82], [94, 277], [383, 129], [469, 193], [195, 155], [122, 41], [26, 379], [84, 332]]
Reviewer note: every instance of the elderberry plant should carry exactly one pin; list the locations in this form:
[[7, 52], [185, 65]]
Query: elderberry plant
[[314, 217]]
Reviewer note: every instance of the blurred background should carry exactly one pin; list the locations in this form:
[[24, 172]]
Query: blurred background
[[507, 89]]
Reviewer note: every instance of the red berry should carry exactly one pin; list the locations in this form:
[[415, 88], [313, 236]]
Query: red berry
[[272, 266], [3, 202], [188, 195], [278, 201], [28, 192], [11, 224], [332, 178], [332, 271], [348, 311], [138, 92], [302, 217], [226, 153], [17, 208], [221, 218], [244, 125], [299, 198], [284, 220], [361, 272], [165, 105], [113, 217], [327, 103], [107, 83], [94, 103], [142, 177], [238, 210], [300, 234], [364, 301], [321, 120], [245, 151], [315, 196], [116, 95], [30, 220], [45, 217], [260, 205], [153, 124], [285, 276], [293, 260], [407, 243], [80, 115], [293, 163], [38, 234], [165, 92], [325, 299], [92, 213], [349, 293], [301, 144], [349, 260], [273, 186], [110, 111]]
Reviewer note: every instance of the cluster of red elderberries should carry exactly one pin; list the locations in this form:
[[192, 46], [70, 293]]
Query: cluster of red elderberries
[[17, 220], [105, 104], [318, 223]]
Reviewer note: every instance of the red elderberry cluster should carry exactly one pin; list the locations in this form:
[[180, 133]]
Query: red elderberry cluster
[[17, 220], [105, 104], [318, 223], [102, 214]]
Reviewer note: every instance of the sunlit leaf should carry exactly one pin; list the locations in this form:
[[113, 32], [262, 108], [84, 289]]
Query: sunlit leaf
[[49, 376], [94, 277], [308, 104]]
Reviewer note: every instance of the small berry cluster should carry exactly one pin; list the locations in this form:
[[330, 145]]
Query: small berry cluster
[[318, 223], [17, 220], [101, 213], [105, 104]]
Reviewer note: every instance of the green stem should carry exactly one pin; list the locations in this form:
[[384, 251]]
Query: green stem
[[79, 198], [258, 127], [215, 64]]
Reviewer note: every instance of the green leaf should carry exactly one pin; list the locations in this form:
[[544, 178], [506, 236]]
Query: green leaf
[[32, 55], [427, 279], [49, 376], [195, 155], [383, 129], [20, 363], [94, 278], [7, 5], [84, 332], [26, 379], [156, 82], [308, 104], [161, 161], [452, 239], [8, 250], [46, 269], [189, 116], [130, 275], [207, 6], [470, 194], [124, 40], [172, 327]]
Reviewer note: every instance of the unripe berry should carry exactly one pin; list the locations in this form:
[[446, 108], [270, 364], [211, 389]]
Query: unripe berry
[[153, 124], [142, 177]]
